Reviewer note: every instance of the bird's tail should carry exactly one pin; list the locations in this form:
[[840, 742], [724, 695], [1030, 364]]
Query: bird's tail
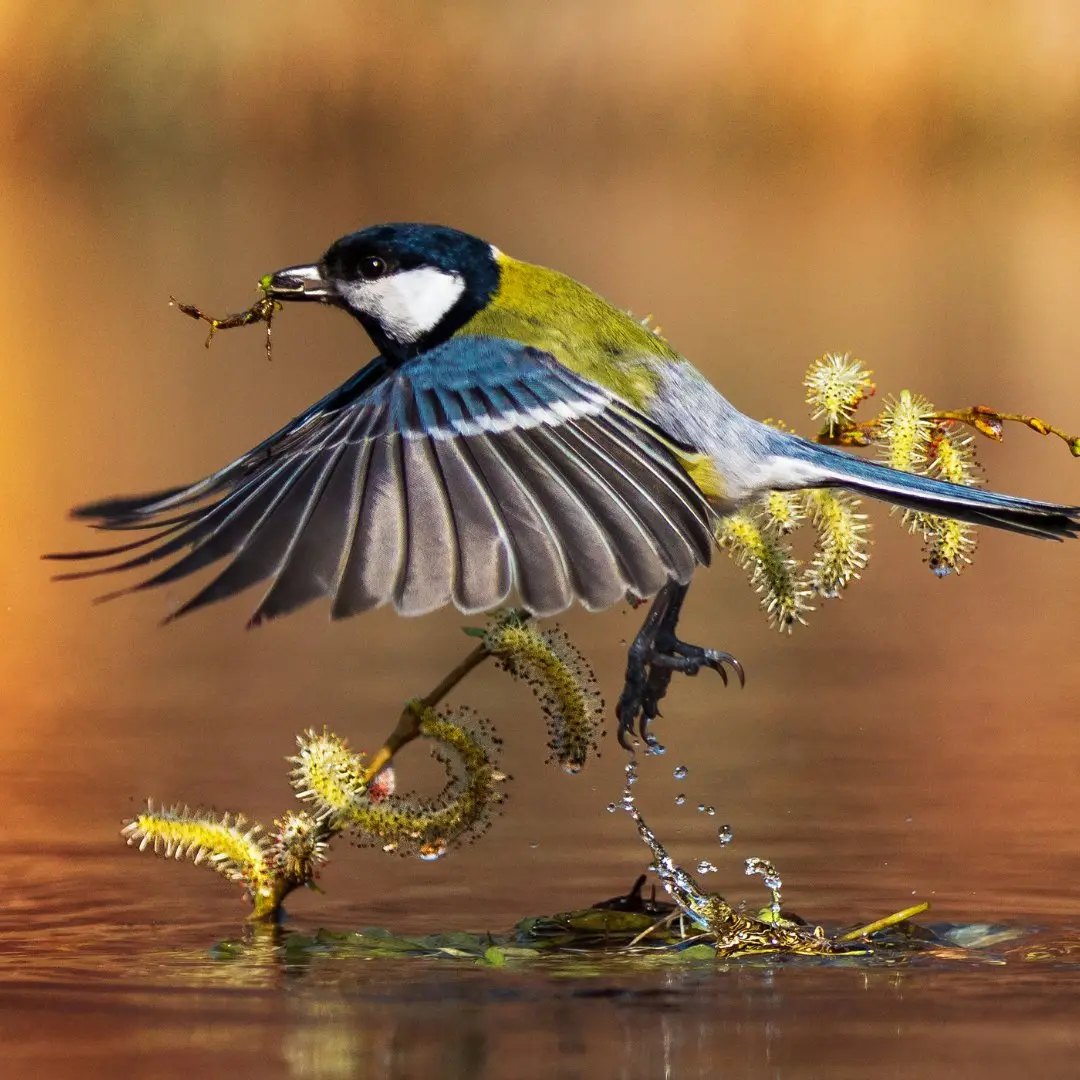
[[798, 463]]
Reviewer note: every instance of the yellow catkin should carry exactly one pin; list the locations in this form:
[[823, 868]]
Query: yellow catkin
[[842, 545], [229, 844], [905, 430], [328, 774], [951, 456], [560, 678], [298, 847], [770, 567], [835, 386], [915, 442], [784, 511], [949, 544]]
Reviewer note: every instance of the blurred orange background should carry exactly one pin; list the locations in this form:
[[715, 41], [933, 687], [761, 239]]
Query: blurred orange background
[[771, 181]]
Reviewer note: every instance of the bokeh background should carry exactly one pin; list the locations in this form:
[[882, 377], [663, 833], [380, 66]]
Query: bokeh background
[[771, 181]]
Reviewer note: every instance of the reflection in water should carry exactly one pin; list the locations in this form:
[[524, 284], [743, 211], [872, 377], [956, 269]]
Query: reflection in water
[[694, 1023], [404, 1018]]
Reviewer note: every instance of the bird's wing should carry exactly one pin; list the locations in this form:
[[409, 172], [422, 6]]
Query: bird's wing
[[481, 468]]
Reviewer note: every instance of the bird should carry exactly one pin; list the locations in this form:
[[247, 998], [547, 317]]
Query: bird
[[517, 436]]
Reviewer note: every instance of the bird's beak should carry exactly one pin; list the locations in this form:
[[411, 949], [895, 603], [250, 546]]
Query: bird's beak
[[300, 283]]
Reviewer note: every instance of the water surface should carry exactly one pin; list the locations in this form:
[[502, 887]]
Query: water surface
[[918, 741]]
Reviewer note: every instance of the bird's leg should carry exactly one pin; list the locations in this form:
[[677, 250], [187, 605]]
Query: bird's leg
[[652, 658], [408, 725]]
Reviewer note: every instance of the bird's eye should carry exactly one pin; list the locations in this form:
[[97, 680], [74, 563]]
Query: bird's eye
[[371, 267]]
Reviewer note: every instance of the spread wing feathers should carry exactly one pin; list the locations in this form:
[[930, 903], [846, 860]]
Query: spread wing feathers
[[482, 468]]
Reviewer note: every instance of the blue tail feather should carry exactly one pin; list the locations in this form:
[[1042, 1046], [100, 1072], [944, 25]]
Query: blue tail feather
[[911, 491]]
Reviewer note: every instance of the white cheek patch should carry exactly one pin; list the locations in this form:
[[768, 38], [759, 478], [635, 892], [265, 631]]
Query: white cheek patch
[[407, 304]]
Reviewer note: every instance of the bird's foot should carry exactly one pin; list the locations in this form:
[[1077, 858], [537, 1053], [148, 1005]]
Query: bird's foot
[[655, 654]]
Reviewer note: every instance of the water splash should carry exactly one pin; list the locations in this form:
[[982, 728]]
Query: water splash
[[771, 879], [730, 931], [677, 883], [725, 835], [631, 779]]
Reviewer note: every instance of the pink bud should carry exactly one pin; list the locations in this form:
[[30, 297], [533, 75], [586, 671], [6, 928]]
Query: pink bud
[[382, 784]]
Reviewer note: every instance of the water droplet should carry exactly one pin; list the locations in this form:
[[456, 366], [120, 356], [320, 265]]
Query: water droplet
[[431, 852], [654, 747], [572, 767], [680, 799], [680, 772], [725, 835], [711, 811], [611, 808], [701, 808], [706, 867]]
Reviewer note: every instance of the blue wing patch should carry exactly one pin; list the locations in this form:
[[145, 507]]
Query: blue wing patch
[[475, 384], [480, 469]]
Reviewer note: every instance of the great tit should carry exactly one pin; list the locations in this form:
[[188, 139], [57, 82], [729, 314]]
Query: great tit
[[517, 435]]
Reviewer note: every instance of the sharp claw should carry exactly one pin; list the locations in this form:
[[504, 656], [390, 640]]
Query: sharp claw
[[654, 656], [727, 658], [738, 670], [717, 660]]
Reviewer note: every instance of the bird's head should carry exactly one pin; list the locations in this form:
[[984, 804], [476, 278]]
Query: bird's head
[[410, 285]]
